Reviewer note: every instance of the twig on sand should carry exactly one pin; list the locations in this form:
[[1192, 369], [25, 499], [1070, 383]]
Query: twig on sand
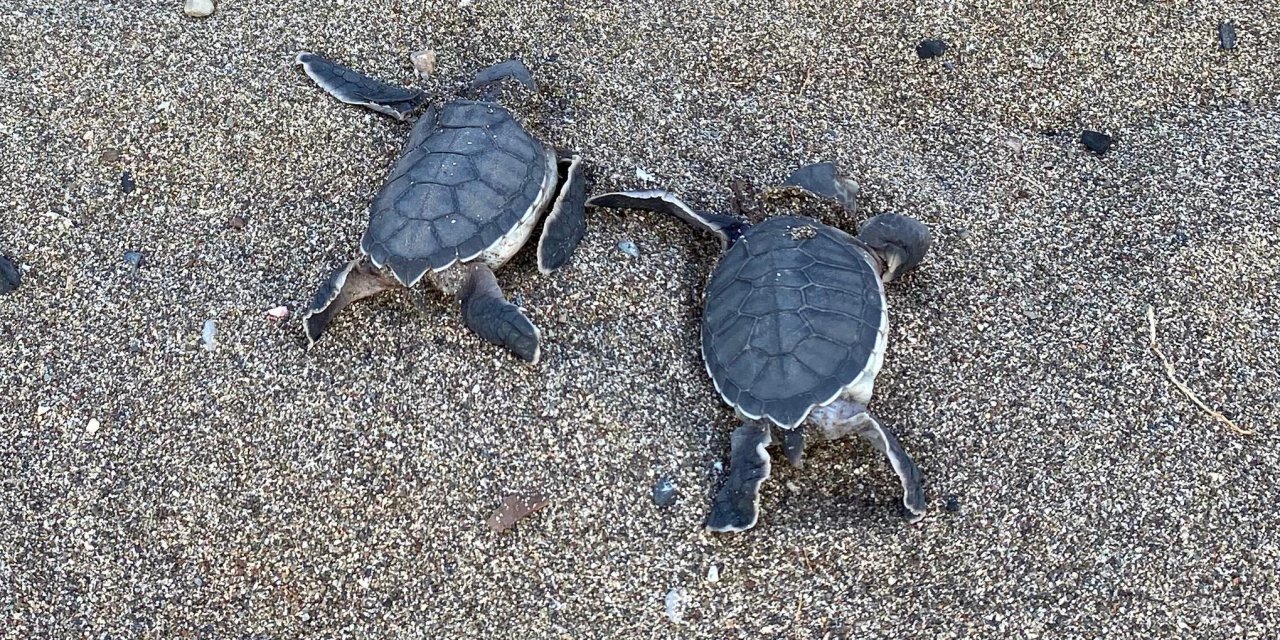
[[1168, 370], [808, 73], [795, 619]]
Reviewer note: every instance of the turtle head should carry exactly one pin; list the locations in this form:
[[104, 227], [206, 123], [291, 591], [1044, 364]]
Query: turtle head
[[900, 242]]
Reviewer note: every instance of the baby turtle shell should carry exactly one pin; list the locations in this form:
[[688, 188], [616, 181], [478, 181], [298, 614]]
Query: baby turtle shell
[[469, 176], [794, 314]]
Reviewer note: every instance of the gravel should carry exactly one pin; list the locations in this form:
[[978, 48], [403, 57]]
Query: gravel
[[266, 490]]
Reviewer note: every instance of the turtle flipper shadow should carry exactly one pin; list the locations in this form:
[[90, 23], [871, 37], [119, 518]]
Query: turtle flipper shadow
[[486, 311], [352, 87], [566, 224], [737, 504], [353, 281]]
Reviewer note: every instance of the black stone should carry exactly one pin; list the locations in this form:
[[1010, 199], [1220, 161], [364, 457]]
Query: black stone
[[1097, 142], [664, 493], [1227, 35], [1181, 238], [126, 183], [952, 504], [10, 277], [930, 49]]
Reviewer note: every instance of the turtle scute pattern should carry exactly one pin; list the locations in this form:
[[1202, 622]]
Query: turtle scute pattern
[[792, 315], [467, 177]]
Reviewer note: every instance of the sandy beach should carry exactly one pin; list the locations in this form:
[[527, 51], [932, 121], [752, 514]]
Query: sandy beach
[[164, 170]]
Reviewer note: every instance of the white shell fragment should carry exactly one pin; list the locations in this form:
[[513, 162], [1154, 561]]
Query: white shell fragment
[[628, 247], [677, 601], [209, 335], [645, 175], [94, 425], [278, 313], [713, 573], [424, 62], [198, 8]]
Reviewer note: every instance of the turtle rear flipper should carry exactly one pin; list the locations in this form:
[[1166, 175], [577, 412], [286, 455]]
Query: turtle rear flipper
[[727, 228], [352, 87], [488, 313], [737, 504], [566, 224], [843, 417], [353, 281]]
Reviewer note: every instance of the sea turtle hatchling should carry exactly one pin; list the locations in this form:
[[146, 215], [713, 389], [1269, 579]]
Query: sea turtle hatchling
[[794, 329], [463, 198]]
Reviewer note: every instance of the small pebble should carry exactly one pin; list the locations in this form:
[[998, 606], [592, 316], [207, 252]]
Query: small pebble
[[1181, 238], [198, 8], [10, 277], [126, 182], [664, 493], [94, 425], [713, 573], [1097, 142], [931, 49], [424, 62], [109, 155], [1227, 35], [134, 258], [209, 335], [237, 222], [645, 175], [676, 602], [628, 247], [952, 505], [278, 313]]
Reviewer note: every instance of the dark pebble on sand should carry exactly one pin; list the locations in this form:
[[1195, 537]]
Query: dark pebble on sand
[[237, 222], [134, 258], [930, 49], [664, 493], [952, 504], [10, 277], [1097, 142], [1227, 35], [126, 183]]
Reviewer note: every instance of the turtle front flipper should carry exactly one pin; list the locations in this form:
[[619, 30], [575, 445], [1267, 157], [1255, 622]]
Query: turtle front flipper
[[487, 312], [727, 228], [494, 74], [353, 87], [737, 504], [353, 281], [824, 180], [567, 222]]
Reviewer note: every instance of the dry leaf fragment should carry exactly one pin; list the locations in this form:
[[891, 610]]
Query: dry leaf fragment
[[515, 508]]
